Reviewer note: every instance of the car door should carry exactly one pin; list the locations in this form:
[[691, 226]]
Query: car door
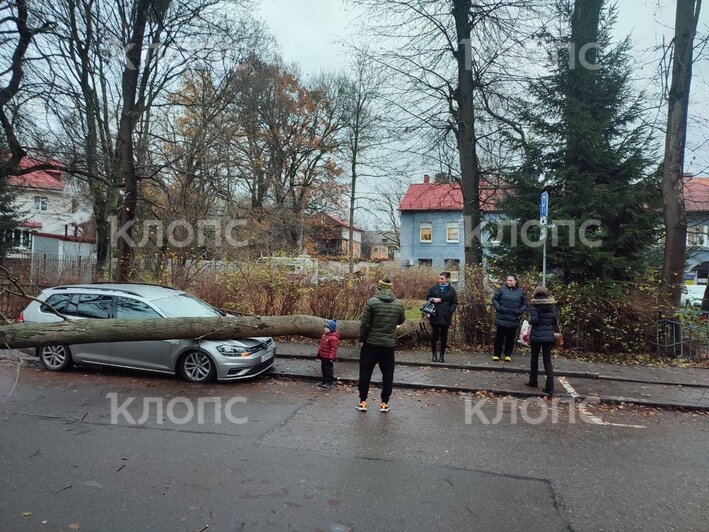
[[153, 355], [90, 306]]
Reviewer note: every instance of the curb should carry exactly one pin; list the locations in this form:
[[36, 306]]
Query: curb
[[601, 399], [476, 367], [645, 381], [412, 385], [274, 373], [502, 369]]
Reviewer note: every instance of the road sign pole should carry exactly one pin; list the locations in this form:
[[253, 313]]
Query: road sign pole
[[543, 221], [544, 262]]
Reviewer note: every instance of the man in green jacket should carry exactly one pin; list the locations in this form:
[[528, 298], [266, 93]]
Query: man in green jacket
[[377, 332]]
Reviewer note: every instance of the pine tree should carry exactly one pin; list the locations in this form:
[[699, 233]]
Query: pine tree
[[7, 218], [7, 212], [589, 150]]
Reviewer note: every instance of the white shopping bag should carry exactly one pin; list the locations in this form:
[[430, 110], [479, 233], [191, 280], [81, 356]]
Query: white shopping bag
[[524, 333]]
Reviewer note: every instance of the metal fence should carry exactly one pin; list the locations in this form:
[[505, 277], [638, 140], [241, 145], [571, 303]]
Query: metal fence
[[50, 269], [683, 336]]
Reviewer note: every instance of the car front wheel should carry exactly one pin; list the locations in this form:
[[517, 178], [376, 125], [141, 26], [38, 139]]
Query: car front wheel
[[55, 358], [197, 367]]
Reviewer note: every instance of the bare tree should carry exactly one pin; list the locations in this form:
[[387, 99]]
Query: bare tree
[[16, 34], [365, 131], [83, 84], [675, 216], [451, 57], [287, 135]]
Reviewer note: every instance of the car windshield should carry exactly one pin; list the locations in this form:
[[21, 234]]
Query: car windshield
[[184, 306], [696, 290]]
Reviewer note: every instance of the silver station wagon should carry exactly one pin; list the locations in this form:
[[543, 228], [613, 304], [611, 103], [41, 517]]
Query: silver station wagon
[[193, 360]]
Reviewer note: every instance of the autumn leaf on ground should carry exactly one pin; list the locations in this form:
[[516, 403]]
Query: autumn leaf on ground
[[74, 526], [26, 514]]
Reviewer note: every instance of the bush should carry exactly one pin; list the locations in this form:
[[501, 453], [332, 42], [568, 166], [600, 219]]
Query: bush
[[595, 317]]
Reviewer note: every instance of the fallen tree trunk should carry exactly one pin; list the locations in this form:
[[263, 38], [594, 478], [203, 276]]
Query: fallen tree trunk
[[120, 330]]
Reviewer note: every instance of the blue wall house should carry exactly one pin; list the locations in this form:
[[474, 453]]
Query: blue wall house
[[432, 225]]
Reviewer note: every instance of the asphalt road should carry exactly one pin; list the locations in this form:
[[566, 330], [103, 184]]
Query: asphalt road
[[288, 456]]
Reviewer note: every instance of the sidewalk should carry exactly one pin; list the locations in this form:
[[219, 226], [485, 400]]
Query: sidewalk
[[686, 388]]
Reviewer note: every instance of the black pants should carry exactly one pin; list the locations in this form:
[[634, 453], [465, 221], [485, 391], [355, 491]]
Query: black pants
[[546, 357], [370, 356], [505, 336], [328, 372], [439, 331]]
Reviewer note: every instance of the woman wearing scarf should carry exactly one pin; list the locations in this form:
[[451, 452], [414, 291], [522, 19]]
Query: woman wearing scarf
[[446, 300]]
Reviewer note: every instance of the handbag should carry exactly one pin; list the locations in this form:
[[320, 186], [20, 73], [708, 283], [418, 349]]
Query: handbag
[[558, 336], [429, 307]]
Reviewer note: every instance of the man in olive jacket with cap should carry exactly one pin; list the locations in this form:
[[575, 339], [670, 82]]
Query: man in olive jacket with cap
[[377, 332]]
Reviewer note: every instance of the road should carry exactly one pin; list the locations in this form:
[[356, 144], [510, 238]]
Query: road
[[80, 451]]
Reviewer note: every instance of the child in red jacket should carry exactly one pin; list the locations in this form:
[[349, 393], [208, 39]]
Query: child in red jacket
[[327, 352]]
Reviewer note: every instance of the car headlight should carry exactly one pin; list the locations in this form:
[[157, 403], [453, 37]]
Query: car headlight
[[232, 351]]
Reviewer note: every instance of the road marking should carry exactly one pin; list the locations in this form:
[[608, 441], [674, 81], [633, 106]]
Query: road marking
[[582, 408]]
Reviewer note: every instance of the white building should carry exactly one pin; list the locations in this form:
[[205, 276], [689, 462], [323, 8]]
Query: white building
[[48, 202]]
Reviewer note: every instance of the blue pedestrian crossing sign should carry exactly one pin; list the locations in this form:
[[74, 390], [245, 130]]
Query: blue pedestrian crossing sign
[[543, 207]]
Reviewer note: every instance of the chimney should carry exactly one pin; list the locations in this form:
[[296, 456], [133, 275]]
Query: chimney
[[426, 179]]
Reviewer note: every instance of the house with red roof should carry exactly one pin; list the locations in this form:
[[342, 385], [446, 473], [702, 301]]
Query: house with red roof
[[48, 203], [432, 225], [696, 203], [329, 234]]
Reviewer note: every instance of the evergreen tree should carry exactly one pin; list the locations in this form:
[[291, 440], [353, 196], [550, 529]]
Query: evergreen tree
[[7, 212], [589, 150], [7, 217]]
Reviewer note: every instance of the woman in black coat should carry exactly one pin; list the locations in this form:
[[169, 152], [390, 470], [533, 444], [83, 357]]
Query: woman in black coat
[[510, 303], [445, 300], [543, 319]]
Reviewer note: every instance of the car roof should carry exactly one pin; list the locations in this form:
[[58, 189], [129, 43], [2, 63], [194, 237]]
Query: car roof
[[146, 291]]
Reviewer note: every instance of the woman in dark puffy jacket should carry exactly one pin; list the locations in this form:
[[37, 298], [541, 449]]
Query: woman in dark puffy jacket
[[510, 303], [543, 321], [445, 300]]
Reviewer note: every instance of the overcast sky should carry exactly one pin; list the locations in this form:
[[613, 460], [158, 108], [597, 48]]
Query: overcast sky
[[308, 33], [307, 30]]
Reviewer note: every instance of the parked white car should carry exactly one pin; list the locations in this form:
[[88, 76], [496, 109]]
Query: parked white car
[[692, 295]]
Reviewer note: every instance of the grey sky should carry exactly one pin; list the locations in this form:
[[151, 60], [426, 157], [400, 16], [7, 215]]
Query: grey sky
[[307, 33]]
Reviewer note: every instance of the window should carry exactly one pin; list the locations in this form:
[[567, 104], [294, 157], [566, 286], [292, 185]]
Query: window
[[62, 303], [696, 235], [425, 233], [18, 238], [453, 266], [452, 232], [184, 306], [94, 306], [40, 203], [496, 230], [132, 309], [426, 263]]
